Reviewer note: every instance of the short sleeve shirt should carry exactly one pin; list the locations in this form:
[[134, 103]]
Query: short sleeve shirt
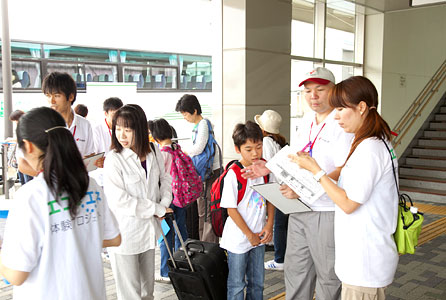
[[331, 145]]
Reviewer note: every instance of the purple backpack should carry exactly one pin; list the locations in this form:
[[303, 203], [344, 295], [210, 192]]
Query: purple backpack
[[186, 184]]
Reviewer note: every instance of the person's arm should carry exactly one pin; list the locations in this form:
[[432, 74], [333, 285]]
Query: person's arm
[[165, 179], [119, 199], [15, 277], [335, 173], [253, 238], [337, 194], [267, 231], [115, 242], [26, 168], [201, 139], [256, 170]]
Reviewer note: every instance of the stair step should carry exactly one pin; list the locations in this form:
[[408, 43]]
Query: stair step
[[433, 142], [423, 182], [443, 109], [421, 160], [421, 194], [422, 171], [439, 133], [429, 151], [440, 117], [437, 125]]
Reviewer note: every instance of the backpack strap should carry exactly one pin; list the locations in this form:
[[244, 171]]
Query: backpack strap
[[236, 166]]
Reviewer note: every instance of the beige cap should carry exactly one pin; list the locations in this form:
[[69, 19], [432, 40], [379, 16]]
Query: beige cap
[[269, 121]]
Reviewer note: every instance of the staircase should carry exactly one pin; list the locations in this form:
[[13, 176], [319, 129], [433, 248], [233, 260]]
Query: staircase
[[423, 173]]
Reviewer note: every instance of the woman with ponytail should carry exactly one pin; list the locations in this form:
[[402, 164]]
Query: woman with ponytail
[[60, 220], [365, 196]]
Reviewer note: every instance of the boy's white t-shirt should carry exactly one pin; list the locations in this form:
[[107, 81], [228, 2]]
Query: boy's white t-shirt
[[366, 253], [331, 148], [102, 137], [252, 208], [61, 254]]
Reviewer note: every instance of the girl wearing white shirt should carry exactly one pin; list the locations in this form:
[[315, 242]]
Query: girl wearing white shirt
[[366, 197], [273, 141], [60, 220], [139, 190]]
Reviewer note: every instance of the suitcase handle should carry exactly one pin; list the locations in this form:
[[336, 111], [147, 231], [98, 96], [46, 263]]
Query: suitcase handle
[[177, 230], [188, 243]]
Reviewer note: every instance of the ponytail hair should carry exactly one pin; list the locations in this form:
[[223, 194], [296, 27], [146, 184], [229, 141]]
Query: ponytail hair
[[63, 167], [349, 93]]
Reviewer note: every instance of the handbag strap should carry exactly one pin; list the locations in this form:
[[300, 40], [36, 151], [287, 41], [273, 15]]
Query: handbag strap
[[393, 166]]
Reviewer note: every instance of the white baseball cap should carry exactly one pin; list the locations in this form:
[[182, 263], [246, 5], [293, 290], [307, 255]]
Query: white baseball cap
[[320, 75], [269, 121]]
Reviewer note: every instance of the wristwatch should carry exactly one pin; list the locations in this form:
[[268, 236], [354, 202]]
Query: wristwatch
[[319, 175]]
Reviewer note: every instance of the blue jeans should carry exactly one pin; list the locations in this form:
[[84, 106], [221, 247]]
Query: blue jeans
[[280, 233], [246, 270], [180, 216]]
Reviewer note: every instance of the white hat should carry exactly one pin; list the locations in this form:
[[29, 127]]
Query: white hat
[[320, 75], [269, 121]]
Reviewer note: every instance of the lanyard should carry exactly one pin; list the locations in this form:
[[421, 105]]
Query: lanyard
[[74, 131], [310, 144], [109, 131]]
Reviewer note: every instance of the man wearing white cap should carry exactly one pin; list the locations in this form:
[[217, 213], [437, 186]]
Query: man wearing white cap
[[310, 254]]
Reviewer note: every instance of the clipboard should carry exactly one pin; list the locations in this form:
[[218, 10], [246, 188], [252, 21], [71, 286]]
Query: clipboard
[[89, 161], [271, 192]]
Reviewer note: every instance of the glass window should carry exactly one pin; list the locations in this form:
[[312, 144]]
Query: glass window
[[151, 77], [25, 75], [79, 53], [196, 72], [100, 73], [340, 72], [75, 70], [149, 58], [302, 28], [340, 31]]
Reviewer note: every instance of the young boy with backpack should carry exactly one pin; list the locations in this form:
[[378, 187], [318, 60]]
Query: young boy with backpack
[[186, 187], [245, 232]]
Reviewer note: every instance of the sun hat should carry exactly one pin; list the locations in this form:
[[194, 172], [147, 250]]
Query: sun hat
[[269, 121], [320, 75]]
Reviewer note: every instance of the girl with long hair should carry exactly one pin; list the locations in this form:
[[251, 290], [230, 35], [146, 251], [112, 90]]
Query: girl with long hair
[[366, 196], [60, 220], [139, 190]]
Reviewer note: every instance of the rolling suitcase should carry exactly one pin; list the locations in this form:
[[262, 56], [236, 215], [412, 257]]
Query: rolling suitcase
[[198, 270]]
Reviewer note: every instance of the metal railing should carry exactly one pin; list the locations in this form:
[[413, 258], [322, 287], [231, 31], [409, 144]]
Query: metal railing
[[417, 107]]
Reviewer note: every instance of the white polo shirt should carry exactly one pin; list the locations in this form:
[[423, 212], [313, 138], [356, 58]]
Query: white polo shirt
[[102, 137], [82, 134], [366, 253], [331, 145]]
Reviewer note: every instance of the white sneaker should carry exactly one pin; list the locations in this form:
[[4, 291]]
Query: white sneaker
[[161, 279], [272, 265]]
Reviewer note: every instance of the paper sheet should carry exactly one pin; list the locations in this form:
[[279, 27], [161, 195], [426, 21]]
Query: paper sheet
[[271, 192], [300, 180]]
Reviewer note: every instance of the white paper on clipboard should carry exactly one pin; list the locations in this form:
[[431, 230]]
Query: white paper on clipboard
[[299, 180], [271, 192], [89, 161]]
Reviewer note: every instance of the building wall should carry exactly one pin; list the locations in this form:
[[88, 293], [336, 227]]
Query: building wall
[[413, 48]]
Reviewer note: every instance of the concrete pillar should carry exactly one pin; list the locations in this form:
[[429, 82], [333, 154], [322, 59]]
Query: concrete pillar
[[256, 63]]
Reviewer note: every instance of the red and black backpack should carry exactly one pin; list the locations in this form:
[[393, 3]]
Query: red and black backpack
[[220, 214]]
